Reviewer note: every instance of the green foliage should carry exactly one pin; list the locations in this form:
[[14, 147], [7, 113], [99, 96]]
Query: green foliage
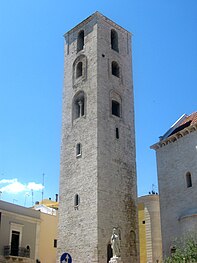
[[186, 251]]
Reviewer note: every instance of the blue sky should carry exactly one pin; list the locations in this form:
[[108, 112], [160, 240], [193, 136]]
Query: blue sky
[[31, 81]]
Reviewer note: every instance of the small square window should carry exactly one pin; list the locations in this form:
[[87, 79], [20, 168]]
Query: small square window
[[143, 222]]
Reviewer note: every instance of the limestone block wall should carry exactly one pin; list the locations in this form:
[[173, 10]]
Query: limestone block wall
[[104, 175]]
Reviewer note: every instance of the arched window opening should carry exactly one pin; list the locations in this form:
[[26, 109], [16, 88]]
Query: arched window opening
[[115, 69], [188, 179], [114, 40], [80, 40], [79, 105], [115, 108], [79, 69], [109, 253], [78, 149], [133, 243], [76, 200]]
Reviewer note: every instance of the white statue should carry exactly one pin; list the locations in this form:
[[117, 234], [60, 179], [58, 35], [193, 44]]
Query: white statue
[[115, 244]]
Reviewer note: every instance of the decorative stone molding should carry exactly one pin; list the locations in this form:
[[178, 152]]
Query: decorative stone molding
[[174, 137]]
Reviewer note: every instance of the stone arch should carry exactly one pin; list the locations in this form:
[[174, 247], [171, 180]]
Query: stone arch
[[79, 105], [133, 243], [79, 69]]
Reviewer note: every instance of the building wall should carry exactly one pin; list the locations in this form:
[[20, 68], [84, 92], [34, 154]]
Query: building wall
[[48, 233], [178, 208], [149, 221], [29, 221], [104, 176], [142, 233]]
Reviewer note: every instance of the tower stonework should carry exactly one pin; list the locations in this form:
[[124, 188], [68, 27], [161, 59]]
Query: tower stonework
[[98, 170]]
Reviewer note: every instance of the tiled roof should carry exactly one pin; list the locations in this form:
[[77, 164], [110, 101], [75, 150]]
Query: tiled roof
[[192, 118], [188, 121], [184, 125]]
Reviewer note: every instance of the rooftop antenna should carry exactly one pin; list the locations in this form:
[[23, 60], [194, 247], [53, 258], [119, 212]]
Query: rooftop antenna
[[26, 195], [32, 196], [43, 187]]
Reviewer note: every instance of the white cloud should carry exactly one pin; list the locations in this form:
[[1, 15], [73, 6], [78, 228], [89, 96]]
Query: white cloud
[[7, 181], [14, 187], [34, 186]]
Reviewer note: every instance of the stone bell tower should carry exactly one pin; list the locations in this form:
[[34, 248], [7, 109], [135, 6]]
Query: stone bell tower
[[98, 171]]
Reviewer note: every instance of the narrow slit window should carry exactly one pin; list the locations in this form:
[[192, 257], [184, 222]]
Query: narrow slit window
[[115, 108], [114, 40], [115, 69], [188, 179], [78, 149], [79, 69], [80, 40], [76, 200], [55, 243], [117, 133]]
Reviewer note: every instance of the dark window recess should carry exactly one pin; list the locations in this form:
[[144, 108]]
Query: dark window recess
[[55, 243], [115, 108], [189, 179], [80, 41], [76, 200], [143, 222], [79, 108], [109, 252], [115, 69], [114, 40], [117, 133], [15, 243], [79, 69], [78, 149], [79, 105]]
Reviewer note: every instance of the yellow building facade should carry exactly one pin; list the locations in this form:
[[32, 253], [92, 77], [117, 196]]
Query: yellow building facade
[[149, 229]]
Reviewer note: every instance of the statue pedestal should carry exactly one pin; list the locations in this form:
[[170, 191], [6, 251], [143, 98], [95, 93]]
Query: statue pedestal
[[115, 260]]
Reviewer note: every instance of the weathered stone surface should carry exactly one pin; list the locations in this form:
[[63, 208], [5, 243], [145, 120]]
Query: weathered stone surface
[[104, 176], [177, 201]]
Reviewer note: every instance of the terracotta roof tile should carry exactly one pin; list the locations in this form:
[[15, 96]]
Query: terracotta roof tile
[[192, 117]]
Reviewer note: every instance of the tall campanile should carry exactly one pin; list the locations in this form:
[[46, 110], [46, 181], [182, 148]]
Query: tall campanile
[[98, 171]]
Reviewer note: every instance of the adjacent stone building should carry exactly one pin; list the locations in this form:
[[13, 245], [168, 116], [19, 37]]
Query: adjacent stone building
[[177, 177], [98, 170], [149, 229]]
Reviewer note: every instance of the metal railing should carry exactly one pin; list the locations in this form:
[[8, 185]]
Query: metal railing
[[17, 252]]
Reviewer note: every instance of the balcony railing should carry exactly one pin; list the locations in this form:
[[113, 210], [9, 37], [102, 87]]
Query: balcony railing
[[16, 252]]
